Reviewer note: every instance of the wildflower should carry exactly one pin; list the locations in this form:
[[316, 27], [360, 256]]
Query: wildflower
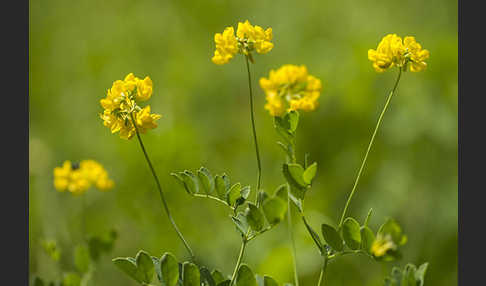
[[120, 104], [248, 38], [290, 88], [382, 244], [78, 178], [393, 51]]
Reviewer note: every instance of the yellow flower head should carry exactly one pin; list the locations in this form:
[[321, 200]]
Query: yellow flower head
[[382, 244], [78, 178], [393, 51], [290, 88], [120, 104], [248, 38]]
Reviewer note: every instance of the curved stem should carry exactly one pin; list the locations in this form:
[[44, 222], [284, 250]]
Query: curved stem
[[238, 262], [369, 147], [323, 272], [164, 203], [252, 114]]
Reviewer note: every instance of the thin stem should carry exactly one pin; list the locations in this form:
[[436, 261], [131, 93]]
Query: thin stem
[[238, 262], [213, 198], [369, 147], [323, 272], [292, 241], [164, 203], [83, 218], [289, 219], [253, 236], [315, 239], [254, 133]]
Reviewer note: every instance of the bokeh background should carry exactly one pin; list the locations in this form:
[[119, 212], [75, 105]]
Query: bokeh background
[[78, 48]]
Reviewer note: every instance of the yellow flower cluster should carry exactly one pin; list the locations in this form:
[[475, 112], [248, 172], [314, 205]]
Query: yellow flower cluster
[[120, 104], [248, 38], [382, 244], [393, 51], [78, 178], [290, 87]]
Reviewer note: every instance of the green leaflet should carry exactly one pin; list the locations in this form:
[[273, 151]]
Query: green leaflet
[[351, 233], [190, 274], [245, 276], [332, 237]]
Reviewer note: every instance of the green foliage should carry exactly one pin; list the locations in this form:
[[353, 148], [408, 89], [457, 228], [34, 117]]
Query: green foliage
[[367, 239], [140, 268], [255, 217], [206, 277], [392, 228], [245, 276], [71, 279], [190, 274], [206, 180], [241, 223], [351, 233], [169, 270], [52, 249], [82, 259], [332, 237], [218, 277], [274, 209], [409, 276], [217, 187], [99, 245]]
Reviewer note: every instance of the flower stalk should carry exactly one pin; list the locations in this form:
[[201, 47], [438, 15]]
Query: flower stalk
[[164, 203], [369, 147], [255, 140]]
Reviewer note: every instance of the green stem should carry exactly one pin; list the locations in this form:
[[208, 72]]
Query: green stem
[[164, 203], [252, 114], [323, 272], [238, 262], [213, 198], [369, 147], [292, 241], [83, 218], [289, 218]]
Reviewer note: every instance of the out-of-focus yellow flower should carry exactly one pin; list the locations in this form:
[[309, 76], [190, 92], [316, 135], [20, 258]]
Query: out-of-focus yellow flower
[[290, 87], [248, 38], [78, 178], [393, 51], [382, 244], [121, 102]]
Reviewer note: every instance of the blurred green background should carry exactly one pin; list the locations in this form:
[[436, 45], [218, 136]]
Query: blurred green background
[[78, 48]]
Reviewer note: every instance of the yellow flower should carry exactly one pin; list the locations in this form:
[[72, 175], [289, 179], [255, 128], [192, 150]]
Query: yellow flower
[[145, 120], [382, 244], [417, 55], [290, 88], [226, 46], [120, 104], [71, 178], [78, 178], [393, 51], [144, 89], [248, 38]]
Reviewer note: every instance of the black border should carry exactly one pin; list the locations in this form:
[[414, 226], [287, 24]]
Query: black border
[[15, 135], [471, 143]]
